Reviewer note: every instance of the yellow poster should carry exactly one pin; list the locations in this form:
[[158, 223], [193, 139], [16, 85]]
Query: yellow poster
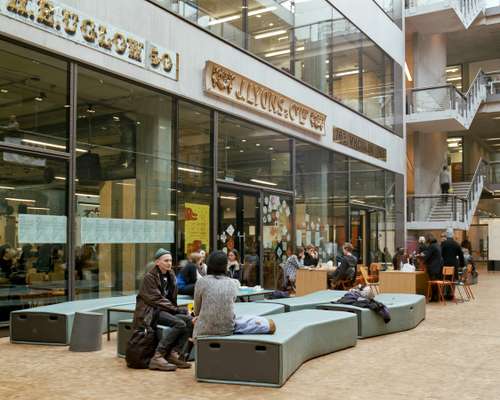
[[196, 227]]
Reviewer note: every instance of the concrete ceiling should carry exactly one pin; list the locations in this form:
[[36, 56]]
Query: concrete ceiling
[[475, 44]]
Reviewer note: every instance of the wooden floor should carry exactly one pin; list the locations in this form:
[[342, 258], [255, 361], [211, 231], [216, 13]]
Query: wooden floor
[[453, 354]]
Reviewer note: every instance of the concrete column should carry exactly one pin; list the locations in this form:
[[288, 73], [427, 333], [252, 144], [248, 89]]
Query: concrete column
[[429, 149]]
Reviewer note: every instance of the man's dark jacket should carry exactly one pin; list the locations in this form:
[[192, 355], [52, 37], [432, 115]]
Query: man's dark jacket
[[157, 292], [452, 254]]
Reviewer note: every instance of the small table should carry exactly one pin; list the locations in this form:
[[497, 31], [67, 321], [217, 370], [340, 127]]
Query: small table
[[403, 282], [310, 280]]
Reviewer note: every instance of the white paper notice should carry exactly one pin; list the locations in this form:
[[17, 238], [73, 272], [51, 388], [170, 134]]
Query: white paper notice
[[114, 230], [308, 238], [298, 237], [42, 228]]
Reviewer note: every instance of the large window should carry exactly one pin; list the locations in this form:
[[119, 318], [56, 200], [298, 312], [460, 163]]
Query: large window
[[194, 179], [33, 99], [124, 182], [314, 42], [32, 232], [248, 153]]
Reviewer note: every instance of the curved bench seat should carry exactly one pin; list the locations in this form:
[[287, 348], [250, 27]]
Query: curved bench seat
[[406, 310], [269, 360], [52, 324], [308, 301]]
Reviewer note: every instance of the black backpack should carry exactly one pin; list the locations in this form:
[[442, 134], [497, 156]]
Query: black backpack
[[141, 348]]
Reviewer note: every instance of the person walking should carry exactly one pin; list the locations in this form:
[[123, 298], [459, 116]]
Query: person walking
[[445, 182]]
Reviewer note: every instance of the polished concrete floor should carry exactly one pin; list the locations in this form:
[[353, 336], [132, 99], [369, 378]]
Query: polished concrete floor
[[453, 354]]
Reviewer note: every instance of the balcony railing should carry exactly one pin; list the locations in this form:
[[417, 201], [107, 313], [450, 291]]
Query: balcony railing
[[449, 98], [467, 10]]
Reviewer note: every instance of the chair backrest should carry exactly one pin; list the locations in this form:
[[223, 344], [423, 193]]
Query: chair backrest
[[364, 274], [375, 268], [448, 273]]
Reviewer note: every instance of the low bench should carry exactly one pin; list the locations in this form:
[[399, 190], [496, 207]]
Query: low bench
[[258, 309], [308, 301], [406, 310], [52, 324], [269, 360]]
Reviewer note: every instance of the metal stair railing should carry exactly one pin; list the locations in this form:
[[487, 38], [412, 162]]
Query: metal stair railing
[[478, 179], [458, 211]]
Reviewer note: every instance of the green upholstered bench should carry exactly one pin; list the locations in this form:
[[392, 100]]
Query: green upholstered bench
[[308, 301], [269, 360], [406, 310], [259, 309], [52, 324]]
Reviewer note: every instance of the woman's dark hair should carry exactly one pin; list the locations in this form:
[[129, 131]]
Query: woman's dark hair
[[429, 238], [235, 252], [217, 263]]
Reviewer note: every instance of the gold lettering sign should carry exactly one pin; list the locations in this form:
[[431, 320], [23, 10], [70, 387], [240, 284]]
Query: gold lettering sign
[[231, 86], [66, 22], [359, 144]]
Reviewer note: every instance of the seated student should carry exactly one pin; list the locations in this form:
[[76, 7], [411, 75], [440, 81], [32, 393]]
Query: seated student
[[346, 269], [291, 266], [311, 258], [233, 265], [214, 299], [188, 275]]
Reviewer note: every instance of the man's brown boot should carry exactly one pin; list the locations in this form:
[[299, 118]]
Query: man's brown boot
[[159, 363], [174, 359]]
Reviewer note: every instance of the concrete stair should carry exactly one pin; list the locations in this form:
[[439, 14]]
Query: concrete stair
[[442, 211]]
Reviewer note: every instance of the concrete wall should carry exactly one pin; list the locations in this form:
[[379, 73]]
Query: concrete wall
[[195, 47]]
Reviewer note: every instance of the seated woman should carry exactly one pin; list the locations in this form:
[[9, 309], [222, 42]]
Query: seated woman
[[291, 266], [214, 299], [188, 275], [233, 265]]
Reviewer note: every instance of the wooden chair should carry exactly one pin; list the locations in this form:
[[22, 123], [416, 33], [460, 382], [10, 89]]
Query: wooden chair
[[374, 286], [447, 281], [373, 275], [465, 283]]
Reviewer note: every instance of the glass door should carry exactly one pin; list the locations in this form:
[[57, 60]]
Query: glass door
[[367, 234], [358, 222], [238, 229], [276, 236]]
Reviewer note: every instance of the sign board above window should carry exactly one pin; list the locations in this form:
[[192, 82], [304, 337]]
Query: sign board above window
[[354, 142], [236, 88], [71, 24]]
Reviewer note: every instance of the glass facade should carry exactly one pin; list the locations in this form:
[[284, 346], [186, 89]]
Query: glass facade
[[144, 171], [315, 43]]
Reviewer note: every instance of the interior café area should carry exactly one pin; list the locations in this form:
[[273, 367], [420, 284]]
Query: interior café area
[[144, 178]]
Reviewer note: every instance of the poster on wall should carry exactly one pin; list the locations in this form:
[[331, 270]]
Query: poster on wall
[[196, 227]]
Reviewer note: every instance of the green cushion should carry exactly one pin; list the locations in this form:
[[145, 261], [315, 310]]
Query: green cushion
[[308, 301]]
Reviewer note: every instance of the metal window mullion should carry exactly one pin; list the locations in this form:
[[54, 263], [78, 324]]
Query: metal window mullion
[[214, 132], [71, 186]]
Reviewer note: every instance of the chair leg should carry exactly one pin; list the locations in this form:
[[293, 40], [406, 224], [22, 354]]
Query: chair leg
[[441, 294], [470, 292]]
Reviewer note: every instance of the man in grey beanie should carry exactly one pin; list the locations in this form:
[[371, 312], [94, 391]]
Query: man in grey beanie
[[157, 304]]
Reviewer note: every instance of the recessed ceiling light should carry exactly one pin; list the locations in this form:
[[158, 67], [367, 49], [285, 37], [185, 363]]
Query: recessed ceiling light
[[496, 118], [241, 151], [257, 144], [4, 90], [271, 148], [243, 140], [116, 118], [228, 147], [494, 138]]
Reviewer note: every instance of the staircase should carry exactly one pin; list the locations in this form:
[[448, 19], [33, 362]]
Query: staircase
[[445, 210], [426, 212]]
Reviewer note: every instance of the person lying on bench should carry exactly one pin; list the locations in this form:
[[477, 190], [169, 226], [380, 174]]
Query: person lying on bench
[[214, 299], [157, 299]]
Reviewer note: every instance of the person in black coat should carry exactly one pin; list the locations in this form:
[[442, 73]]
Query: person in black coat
[[452, 253], [433, 260]]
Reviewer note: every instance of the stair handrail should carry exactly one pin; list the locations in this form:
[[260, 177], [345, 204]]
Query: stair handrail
[[458, 214], [471, 193], [473, 93]]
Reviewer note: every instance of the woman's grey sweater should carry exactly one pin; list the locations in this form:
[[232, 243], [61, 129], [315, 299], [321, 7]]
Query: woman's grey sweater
[[214, 298]]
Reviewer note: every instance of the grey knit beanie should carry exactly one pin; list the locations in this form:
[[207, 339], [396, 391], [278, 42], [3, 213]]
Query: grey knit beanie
[[161, 252]]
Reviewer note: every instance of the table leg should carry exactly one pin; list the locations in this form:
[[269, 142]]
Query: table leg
[[108, 325]]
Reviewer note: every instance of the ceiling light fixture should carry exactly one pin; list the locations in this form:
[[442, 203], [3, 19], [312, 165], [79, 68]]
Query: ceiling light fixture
[[495, 138], [229, 197], [277, 53], [407, 73], [270, 34], [261, 11], [20, 200], [90, 109], [346, 73], [172, 215], [222, 20], [456, 78], [41, 96], [194, 171], [55, 146], [4, 90], [38, 208], [264, 182], [7, 187]]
